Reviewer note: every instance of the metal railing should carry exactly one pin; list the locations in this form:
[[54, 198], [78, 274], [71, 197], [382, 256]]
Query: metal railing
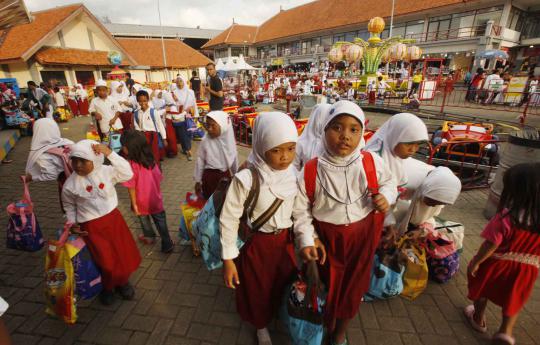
[[450, 34]]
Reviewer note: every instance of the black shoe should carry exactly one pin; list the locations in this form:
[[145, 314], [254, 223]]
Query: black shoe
[[106, 297], [167, 248], [127, 291]]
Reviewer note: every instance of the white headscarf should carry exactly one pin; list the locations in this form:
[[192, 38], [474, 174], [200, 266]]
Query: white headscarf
[[222, 148], [185, 96], [125, 91], [81, 92], [416, 172], [159, 103], [272, 129], [83, 149], [440, 184], [46, 136], [342, 177], [310, 142], [118, 96], [400, 128]]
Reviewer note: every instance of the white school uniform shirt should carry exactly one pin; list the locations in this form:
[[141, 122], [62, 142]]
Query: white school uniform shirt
[[59, 99], [234, 207], [107, 108], [82, 205], [47, 167], [328, 210], [145, 123], [50, 111]]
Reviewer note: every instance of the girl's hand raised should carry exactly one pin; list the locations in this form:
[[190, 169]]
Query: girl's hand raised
[[100, 148], [230, 274], [76, 229]]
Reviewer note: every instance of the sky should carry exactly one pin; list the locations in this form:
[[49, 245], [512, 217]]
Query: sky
[[208, 14]]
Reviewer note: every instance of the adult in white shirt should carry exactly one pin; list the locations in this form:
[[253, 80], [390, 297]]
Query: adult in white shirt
[[105, 110]]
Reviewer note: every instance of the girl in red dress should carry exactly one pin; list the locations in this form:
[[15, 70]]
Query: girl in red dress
[[506, 266], [90, 202], [342, 199]]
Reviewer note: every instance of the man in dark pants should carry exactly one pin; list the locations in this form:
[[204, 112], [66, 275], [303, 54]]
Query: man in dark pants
[[214, 87], [195, 84]]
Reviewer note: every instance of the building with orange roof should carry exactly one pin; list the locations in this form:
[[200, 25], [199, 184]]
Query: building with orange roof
[[236, 40], [70, 45], [453, 30]]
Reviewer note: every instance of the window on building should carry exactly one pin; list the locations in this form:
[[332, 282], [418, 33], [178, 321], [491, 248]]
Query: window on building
[[57, 77], [339, 38], [486, 14], [398, 30], [85, 77], [363, 34], [515, 20], [531, 25], [350, 36], [326, 42], [316, 45], [414, 29]]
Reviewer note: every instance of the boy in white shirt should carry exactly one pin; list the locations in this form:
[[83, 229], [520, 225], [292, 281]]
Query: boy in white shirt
[[105, 110], [148, 120]]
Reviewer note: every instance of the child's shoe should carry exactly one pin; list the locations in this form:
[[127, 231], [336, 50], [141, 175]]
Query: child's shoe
[[167, 247], [106, 297], [146, 240], [127, 291]]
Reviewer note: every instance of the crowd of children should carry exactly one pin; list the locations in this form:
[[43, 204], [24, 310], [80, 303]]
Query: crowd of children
[[342, 197]]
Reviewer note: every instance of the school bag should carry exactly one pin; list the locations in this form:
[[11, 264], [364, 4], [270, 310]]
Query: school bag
[[23, 230], [59, 281], [442, 257], [190, 209], [303, 308], [207, 231], [415, 277], [160, 139], [310, 175], [63, 153], [454, 231], [386, 275]]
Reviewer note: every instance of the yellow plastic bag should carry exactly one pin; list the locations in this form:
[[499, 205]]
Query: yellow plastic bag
[[415, 278], [59, 281]]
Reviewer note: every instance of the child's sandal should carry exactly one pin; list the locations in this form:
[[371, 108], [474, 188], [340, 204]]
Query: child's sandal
[[502, 337], [469, 314], [146, 240]]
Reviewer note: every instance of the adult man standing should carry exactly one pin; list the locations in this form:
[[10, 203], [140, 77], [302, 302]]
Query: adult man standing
[[195, 84], [214, 87]]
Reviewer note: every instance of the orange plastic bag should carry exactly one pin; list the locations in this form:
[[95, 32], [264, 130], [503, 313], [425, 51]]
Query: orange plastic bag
[[59, 281]]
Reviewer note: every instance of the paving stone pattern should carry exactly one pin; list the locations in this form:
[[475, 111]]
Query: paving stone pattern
[[179, 302]]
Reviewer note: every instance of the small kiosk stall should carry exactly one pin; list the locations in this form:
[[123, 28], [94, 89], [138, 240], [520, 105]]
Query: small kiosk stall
[[432, 73]]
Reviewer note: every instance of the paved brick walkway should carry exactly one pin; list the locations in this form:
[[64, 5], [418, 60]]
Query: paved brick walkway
[[179, 302]]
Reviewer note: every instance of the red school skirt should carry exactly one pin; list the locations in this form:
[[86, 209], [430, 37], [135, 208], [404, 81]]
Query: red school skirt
[[152, 139], [113, 249], [210, 181], [347, 271], [172, 145], [74, 107], [265, 267], [127, 120], [83, 107]]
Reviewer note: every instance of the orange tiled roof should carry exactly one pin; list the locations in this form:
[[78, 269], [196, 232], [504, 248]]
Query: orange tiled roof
[[328, 14], [148, 52], [70, 56], [21, 38], [234, 34]]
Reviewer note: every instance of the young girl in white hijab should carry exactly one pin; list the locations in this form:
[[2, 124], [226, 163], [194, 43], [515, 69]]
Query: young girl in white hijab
[[49, 154], [187, 106], [440, 188], [121, 96], [263, 267], [45, 161], [217, 156], [310, 143], [172, 142], [82, 100], [343, 196], [91, 202]]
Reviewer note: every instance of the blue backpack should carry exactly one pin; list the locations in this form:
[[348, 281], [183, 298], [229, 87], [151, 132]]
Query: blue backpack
[[160, 139], [23, 230]]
